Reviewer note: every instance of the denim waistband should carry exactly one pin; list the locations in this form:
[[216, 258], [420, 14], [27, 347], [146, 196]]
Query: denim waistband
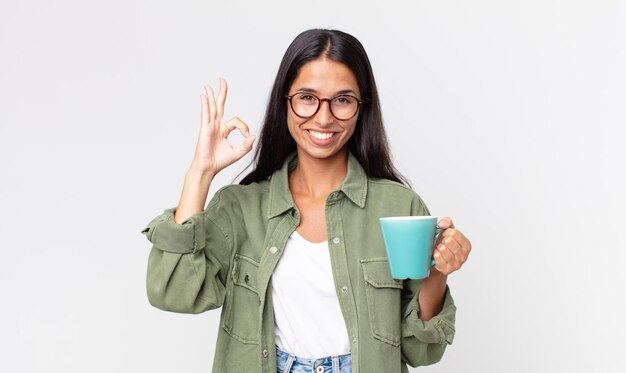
[[288, 363]]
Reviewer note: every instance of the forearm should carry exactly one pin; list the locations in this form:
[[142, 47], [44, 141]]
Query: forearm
[[432, 294], [194, 195]]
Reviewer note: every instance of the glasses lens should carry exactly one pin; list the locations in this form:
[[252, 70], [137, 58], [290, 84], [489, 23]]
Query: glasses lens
[[344, 107], [304, 104]]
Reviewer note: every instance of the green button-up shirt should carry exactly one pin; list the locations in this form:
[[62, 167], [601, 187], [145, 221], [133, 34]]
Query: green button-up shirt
[[225, 256]]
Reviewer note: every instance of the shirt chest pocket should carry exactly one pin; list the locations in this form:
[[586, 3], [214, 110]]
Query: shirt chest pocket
[[383, 300], [241, 308]]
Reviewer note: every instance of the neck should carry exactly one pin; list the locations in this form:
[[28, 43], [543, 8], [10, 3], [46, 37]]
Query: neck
[[318, 177]]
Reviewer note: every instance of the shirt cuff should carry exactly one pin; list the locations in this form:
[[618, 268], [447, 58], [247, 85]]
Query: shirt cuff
[[439, 329], [169, 236]]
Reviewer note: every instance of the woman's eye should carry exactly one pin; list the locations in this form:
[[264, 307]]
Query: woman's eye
[[306, 98], [343, 100]]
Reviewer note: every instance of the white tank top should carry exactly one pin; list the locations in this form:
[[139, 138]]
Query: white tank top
[[309, 322]]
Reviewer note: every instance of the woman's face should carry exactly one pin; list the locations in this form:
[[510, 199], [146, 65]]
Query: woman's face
[[322, 136]]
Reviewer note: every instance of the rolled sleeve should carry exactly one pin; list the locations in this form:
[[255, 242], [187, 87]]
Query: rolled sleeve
[[439, 329], [169, 236], [188, 263], [424, 342]]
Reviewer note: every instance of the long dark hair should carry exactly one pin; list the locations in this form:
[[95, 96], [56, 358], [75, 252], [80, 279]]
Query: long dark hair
[[368, 142]]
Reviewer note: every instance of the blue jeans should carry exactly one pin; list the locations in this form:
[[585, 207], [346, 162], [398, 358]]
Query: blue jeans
[[287, 363]]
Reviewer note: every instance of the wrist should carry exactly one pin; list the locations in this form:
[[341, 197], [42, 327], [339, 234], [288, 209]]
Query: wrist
[[436, 274], [432, 294], [200, 172], [435, 278]]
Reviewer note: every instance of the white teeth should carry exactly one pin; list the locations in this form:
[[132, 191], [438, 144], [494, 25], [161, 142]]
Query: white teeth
[[320, 135]]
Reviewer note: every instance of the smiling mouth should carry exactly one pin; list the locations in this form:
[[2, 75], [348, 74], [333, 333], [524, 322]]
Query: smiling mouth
[[321, 135]]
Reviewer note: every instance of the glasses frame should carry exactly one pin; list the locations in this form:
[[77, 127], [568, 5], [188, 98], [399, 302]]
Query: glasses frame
[[319, 105]]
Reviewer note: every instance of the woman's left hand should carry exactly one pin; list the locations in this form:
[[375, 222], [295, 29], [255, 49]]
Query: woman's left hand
[[451, 248]]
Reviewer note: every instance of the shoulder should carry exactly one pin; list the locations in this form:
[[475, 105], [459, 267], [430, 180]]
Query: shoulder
[[376, 186], [392, 192], [236, 190], [237, 194]]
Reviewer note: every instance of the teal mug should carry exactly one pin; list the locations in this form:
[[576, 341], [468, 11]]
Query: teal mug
[[409, 244]]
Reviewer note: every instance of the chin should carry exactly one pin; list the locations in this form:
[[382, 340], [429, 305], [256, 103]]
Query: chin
[[324, 153]]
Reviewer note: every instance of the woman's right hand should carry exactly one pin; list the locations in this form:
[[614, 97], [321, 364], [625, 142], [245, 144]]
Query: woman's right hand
[[213, 151]]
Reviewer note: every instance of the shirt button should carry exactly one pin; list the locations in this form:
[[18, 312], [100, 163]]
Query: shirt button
[[344, 289], [336, 240], [319, 369], [334, 195], [265, 353], [354, 341], [273, 249]]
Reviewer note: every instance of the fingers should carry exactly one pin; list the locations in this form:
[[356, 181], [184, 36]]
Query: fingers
[[204, 110], [245, 147], [236, 123], [211, 102], [451, 244], [451, 250], [212, 114], [216, 105], [440, 261], [460, 245], [221, 99]]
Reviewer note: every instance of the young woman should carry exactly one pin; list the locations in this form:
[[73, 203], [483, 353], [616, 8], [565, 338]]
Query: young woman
[[294, 253]]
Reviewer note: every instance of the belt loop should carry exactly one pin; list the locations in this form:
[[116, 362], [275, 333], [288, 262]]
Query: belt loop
[[335, 364], [289, 364]]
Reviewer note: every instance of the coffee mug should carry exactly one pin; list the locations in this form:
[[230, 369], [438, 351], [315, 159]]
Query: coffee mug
[[409, 244]]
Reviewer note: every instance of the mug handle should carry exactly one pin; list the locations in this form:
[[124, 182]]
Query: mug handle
[[437, 231]]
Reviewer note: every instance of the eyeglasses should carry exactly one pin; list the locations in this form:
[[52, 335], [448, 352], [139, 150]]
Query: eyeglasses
[[305, 105]]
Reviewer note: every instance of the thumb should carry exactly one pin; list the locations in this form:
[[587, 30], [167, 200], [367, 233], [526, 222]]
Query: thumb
[[445, 223], [245, 147]]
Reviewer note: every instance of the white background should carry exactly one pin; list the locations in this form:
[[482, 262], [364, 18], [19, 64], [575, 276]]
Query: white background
[[507, 116]]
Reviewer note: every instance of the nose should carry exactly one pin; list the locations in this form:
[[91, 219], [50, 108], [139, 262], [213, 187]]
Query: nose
[[324, 117]]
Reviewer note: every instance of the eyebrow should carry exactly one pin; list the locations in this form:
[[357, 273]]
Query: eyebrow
[[342, 92]]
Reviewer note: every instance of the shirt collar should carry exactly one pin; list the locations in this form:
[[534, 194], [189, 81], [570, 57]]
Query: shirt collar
[[354, 185]]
